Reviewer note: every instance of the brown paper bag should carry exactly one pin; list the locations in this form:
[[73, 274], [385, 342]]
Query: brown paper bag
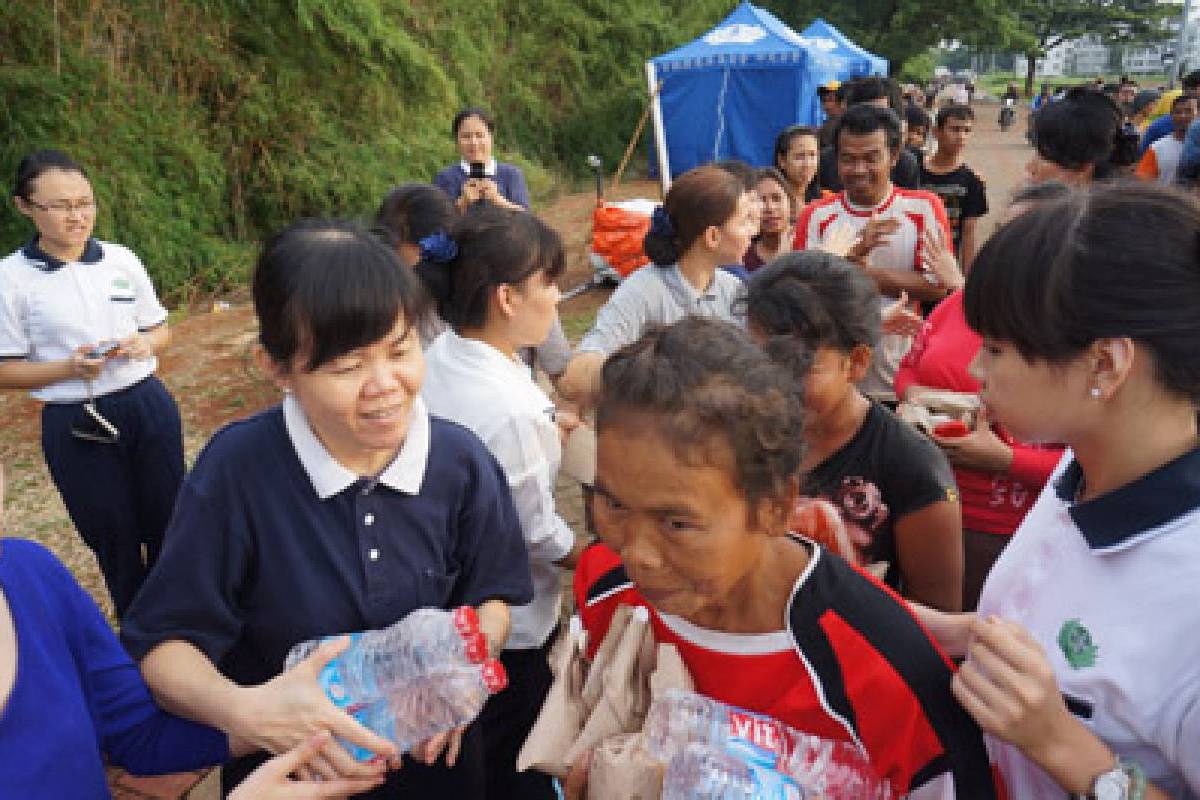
[[594, 684], [563, 713], [621, 689], [622, 770], [669, 673]]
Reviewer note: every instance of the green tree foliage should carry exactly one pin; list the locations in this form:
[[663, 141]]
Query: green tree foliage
[[898, 30], [1034, 27], [207, 124]]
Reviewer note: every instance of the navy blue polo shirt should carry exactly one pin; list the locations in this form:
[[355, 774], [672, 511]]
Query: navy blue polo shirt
[[274, 543]]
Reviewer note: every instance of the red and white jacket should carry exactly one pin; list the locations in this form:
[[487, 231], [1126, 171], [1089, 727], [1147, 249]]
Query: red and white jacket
[[917, 211]]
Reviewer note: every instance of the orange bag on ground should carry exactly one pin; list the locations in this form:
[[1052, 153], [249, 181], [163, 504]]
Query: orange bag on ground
[[617, 237]]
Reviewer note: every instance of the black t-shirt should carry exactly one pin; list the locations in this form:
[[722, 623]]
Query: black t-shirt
[[887, 470], [906, 174], [963, 194]]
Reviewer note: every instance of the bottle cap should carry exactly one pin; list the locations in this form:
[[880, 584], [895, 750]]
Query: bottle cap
[[475, 647], [466, 620], [494, 676]]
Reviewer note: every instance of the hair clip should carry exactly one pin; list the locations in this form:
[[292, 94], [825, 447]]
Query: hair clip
[[660, 223], [439, 248]]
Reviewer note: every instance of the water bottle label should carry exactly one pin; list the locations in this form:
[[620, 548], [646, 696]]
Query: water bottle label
[[758, 739], [333, 681], [772, 785]]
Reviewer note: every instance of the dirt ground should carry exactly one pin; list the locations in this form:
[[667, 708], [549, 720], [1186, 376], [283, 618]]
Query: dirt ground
[[209, 366]]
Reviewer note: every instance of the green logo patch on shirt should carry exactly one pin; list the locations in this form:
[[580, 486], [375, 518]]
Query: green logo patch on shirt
[[1077, 645]]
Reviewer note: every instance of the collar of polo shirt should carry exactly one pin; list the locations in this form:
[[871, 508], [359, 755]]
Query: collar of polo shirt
[[404, 474], [1140, 507], [92, 254]]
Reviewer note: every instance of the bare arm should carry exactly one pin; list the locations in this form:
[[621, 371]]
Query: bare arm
[[892, 282], [580, 384], [969, 244], [274, 716], [495, 622], [929, 547]]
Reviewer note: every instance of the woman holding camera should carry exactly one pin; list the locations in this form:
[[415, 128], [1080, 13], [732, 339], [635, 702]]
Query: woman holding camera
[[80, 325], [479, 176]]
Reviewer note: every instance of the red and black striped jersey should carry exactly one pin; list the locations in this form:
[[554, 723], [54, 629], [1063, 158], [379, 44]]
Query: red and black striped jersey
[[850, 663]]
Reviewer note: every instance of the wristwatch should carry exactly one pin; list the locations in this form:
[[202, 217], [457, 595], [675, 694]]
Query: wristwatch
[[1125, 781]]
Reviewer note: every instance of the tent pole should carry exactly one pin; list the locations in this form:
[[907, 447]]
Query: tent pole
[[660, 134]]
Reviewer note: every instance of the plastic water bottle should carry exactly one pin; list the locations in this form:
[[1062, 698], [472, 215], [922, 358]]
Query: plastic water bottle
[[823, 768], [377, 661], [438, 702], [702, 772], [428, 671]]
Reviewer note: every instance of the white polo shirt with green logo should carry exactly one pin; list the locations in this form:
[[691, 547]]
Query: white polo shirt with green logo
[[1110, 588]]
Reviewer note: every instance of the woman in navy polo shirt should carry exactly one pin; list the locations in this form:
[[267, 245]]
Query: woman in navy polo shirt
[[79, 329], [342, 509], [501, 184]]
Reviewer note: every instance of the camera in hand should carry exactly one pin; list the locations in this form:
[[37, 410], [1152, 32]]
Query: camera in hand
[[478, 170]]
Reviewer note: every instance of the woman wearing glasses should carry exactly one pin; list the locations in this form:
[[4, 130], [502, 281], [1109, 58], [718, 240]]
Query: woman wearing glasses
[[80, 325]]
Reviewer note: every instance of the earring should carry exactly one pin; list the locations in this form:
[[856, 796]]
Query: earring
[[1094, 392]]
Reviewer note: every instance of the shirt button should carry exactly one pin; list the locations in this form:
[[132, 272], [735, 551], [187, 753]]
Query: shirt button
[[369, 519], [373, 554]]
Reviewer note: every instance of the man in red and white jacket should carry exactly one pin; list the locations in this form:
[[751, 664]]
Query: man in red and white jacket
[[891, 227]]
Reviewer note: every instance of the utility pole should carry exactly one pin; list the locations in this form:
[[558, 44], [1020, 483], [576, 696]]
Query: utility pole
[[1180, 59]]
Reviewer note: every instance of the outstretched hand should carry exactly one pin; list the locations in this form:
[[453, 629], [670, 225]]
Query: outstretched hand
[[273, 780], [291, 708]]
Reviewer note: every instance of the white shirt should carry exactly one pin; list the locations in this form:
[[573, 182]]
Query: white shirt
[[1110, 588], [48, 309], [477, 386], [1167, 152]]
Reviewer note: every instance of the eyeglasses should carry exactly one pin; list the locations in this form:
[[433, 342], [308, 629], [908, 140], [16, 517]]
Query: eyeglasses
[[64, 207]]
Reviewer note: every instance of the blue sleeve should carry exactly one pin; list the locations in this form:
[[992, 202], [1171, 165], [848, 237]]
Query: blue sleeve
[[134, 733], [450, 180], [517, 192], [1158, 129], [492, 547]]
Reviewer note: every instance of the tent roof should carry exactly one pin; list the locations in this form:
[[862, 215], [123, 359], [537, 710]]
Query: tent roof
[[820, 35], [749, 36]]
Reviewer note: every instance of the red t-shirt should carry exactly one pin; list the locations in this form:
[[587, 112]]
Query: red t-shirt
[[850, 663], [994, 502]]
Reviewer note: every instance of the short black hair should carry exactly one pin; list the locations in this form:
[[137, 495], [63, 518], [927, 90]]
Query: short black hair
[[916, 117], [1191, 80], [412, 211], [863, 120], [1183, 98], [33, 165], [1039, 192], [494, 246], [874, 87], [954, 111], [703, 380], [740, 170], [326, 287], [466, 114], [1080, 129], [1113, 261], [803, 301]]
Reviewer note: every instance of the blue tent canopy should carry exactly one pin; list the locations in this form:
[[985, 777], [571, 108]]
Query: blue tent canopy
[[728, 93], [823, 36]]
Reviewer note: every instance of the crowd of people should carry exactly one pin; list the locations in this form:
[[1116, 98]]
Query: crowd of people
[[1004, 614]]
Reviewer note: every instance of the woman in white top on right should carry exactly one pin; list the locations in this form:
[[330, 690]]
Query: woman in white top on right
[[706, 222], [1083, 660], [493, 276]]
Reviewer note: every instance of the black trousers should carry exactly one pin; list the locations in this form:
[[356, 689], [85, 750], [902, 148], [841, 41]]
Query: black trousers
[[506, 721], [120, 496], [464, 781]]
